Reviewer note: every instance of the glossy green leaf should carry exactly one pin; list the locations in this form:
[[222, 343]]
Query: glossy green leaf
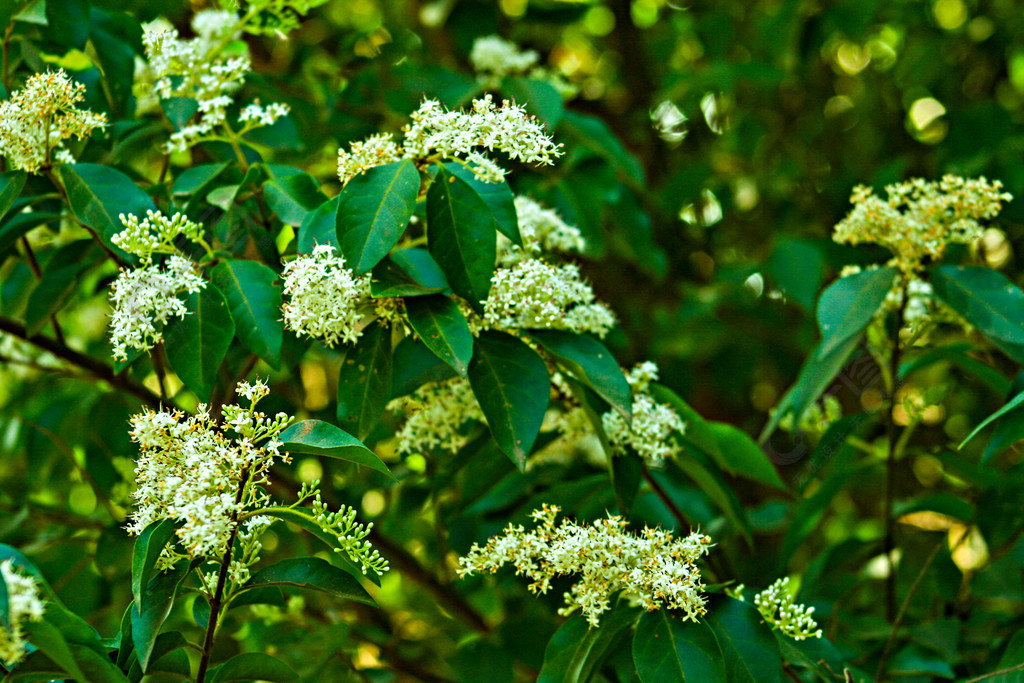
[[116, 39], [47, 638], [255, 304], [293, 197], [817, 654], [744, 457], [461, 235], [145, 553], [253, 666], [303, 518], [314, 437], [511, 383], [1009, 427], [364, 382], [197, 343], [539, 97], [698, 434], [710, 480], [168, 657], [99, 194], [319, 226], [848, 305], [415, 365], [51, 295], [749, 649], [987, 300], [668, 649], [576, 651], [443, 329], [497, 196], [1012, 403], [590, 362], [373, 210], [11, 184], [311, 573], [390, 279], [148, 618]]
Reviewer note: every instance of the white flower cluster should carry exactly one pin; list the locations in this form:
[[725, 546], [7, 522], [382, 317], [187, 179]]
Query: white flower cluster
[[23, 604], [534, 295], [155, 234], [36, 120], [437, 416], [376, 150], [493, 58], [918, 219], [195, 68], [653, 566], [776, 606], [653, 426], [542, 230], [144, 299], [324, 298]]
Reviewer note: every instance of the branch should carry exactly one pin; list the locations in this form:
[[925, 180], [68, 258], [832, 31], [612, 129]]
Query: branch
[[91, 365]]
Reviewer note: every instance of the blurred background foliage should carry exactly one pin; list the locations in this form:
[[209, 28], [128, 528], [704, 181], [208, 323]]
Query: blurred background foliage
[[710, 149]]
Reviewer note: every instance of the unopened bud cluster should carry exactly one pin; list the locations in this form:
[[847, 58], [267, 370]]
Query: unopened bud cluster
[[652, 566], [778, 609], [23, 604], [36, 120]]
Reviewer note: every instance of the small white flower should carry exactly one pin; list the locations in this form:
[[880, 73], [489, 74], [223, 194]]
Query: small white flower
[[495, 56], [324, 298], [651, 433], [653, 567], [438, 413], [542, 230], [23, 604], [376, 150]]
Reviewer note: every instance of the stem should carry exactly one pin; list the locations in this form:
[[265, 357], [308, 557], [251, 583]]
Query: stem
[[1016, 667], [890, 464], [6, 49], [88, 363], [789, 672], [158, 367], [217, 599], [33, 264]]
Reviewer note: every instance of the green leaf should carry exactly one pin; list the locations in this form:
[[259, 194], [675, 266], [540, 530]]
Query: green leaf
[[51, 642], [744, 457], [293, 197], [749, 649], [848, 305], [373, 210], [179, 110], [539, 97], [99, 194], [987, 300], [196, 344], [590, 362], [511, 383], [11, 184], [592, 134], [414, 366], [254, 666], [698, 434], [255, 304], [311, 573], [145, 553], [576, 651], [319, 226], [461, 236], [148, 617], [710, 480], [481, 662], [390, 279], [116, 39], [498, 196], [50, 295], [443, 329], [817, 654], [314, 437], [364, 382], [667, 648], [167, 657], [17, 224], [1010, 427], [303, 518], [68, 22]]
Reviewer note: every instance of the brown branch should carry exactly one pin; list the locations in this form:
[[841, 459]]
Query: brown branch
[[93, 366]]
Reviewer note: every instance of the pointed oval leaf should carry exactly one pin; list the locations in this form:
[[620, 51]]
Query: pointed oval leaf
[[498, 196], [255, 303], [196, 344], [667, 649], [987, 300], [148, 618], [319, 227], [443, 329], [390, 279], [253, 666], [293, 197], [373, 210], [847, 305], [414, 366], [591, 363], [145, 553], [576, 651], [512, 385], [311, 573], [750, 651], [315, 437], [364, 382], [744, 457], [461, 235], [11, 184], [51, 642], [99, 194]]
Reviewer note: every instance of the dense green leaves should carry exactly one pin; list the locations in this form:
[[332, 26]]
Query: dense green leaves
[[749, 649], [99, 194], [373, 210], [577, 650], [255, 305], [987, 300], [461, 234], [196, 344], [315, 437], [443, 329], [511, 383], [364, 383], [671, 649]]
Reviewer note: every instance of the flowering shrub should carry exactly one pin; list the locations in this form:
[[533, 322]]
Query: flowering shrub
[[315, 315]]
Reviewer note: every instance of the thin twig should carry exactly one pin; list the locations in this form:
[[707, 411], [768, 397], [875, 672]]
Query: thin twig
[[1016, 667]]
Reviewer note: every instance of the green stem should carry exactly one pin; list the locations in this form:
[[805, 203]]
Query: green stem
[[889, 542]]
